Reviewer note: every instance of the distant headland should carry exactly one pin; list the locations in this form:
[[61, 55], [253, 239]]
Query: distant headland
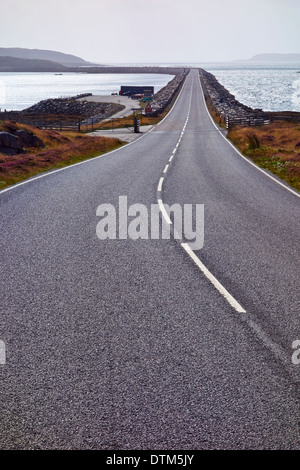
[[273, 57], [59, 58]]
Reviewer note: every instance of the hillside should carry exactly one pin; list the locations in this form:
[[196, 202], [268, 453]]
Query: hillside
[[275, 58], [67, 60], [14, 64]]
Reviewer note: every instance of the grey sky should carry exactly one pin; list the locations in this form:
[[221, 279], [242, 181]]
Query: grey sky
[[109, 31]]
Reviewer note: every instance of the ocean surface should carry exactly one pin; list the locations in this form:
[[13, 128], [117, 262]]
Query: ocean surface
[[271, 87], [20, 90]]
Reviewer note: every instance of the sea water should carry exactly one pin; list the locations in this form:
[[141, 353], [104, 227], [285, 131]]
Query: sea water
[[20, 90], [271, 87]]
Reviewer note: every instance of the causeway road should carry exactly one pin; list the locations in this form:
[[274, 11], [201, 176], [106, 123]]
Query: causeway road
[[151, 344]]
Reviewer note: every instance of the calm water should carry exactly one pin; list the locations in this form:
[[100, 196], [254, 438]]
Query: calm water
[[272, 87], [21, 90]]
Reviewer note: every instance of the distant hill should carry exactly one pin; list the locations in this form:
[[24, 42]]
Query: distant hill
[[275, 58], [14, 64], [67, 60]]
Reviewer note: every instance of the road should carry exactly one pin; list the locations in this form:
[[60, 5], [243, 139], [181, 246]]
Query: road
[[145, 344], [117, 99], [125, 134]]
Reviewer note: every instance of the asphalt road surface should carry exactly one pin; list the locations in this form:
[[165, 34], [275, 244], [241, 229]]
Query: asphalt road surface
[[147, 344]]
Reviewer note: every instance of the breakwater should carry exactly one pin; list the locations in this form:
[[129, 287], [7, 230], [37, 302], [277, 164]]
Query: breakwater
[[62, 113], [233, 113], [164, 96]]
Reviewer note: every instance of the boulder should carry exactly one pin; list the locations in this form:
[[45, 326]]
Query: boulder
[[9, 151], [28, 139], [10, 144]]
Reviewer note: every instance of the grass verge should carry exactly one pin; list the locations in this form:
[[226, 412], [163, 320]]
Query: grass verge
[[56, 150], [125, 122], [274, 147]]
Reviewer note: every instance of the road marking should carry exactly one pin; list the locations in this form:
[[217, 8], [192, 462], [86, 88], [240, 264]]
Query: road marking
[[2, 352], [164, 212], [231, 300], [187, 248], [183, 86], [160, 183]]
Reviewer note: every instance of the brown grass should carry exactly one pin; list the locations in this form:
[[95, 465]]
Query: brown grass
[[60, 149], [219, 120], [126, 121], [275, 147]]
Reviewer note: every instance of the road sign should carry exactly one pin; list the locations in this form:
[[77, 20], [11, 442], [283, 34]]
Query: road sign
[[148, 108]]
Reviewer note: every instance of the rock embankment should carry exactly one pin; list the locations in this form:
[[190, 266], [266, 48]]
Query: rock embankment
[[226, 106], [63, 113], [73, 107], [165, 95]]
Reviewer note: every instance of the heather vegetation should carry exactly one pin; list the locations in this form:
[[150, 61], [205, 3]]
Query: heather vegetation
[[56, 149], [275, 147]]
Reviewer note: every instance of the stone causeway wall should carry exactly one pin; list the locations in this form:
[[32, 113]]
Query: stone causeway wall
[[226, 106], [164, 96]]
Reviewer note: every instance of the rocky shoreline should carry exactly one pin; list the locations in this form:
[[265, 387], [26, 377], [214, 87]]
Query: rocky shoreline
[[164, 96], [231, 112], [63, 109], [224, 103]]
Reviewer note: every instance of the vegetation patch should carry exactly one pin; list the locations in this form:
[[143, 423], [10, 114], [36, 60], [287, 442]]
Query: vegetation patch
[[274, 147], [57, 149]]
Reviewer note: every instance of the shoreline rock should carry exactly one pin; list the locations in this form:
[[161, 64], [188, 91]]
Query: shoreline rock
[[64, 111], [14, 141], [232, 112], [164, 96], [73, 107]]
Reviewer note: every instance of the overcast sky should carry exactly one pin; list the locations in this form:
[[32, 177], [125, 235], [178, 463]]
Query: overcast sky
[[153, 31]]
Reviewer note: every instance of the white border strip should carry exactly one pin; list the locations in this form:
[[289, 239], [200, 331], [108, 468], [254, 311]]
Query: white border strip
[[164, 212], [213, 280], [240, 154], [160, 183], [158, 124], [2, 352], [52, 172]]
